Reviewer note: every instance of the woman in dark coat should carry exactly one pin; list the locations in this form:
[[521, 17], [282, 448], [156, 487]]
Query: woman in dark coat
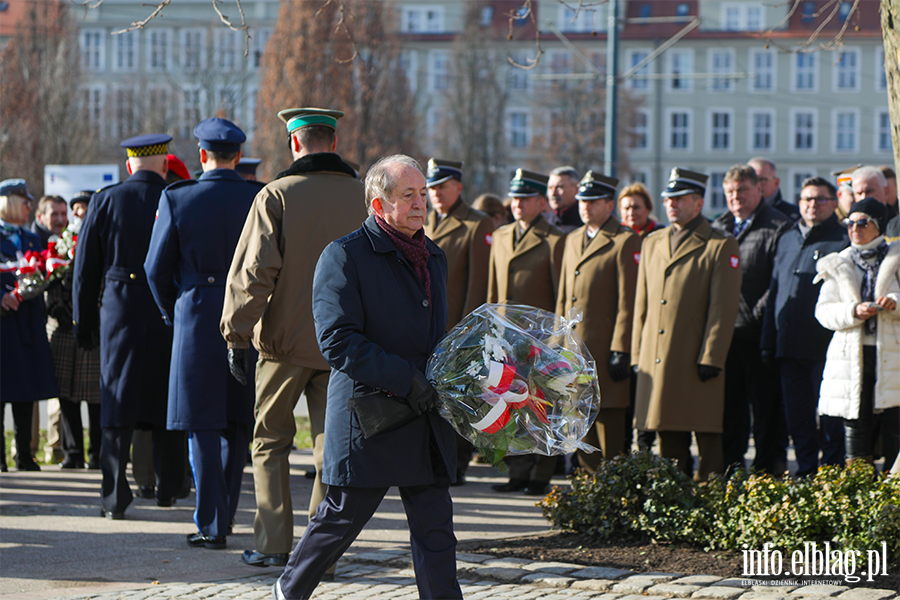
[[26, 369], [380, 307]]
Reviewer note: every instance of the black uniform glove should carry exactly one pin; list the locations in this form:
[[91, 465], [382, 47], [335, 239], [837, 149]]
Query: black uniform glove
[[239, 363], [87, 339], [618, 366], [767, 357], [422, 395], [708, 372]]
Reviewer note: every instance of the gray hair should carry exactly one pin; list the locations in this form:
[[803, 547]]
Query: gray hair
[[763, 162], [568, 171], [380, 178], [868, 173]]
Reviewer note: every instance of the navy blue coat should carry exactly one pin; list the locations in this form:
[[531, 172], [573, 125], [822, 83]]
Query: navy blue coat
[[135, 343], [375, 328], [197, 229], [790, 326], [26, 367]]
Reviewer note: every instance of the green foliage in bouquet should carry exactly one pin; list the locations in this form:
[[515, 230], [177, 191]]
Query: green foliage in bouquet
[[641, 495]]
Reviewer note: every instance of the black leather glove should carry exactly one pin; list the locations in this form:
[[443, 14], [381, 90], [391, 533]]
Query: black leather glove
[[708, 372], [618, 366], [87, 339], [422, 395], [239, 364], [767, 357]]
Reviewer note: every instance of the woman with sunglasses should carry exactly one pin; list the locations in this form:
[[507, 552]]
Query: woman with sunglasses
[[858, 301]]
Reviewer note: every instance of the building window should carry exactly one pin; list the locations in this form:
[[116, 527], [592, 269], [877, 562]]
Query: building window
[[487, 15], [844, 10], [423, 19], [805, 72], [846, 71], [720, 124], [880, 74], [763, 64], [721, 62], [681, 66], [797, 177], [248, 124], [91, 41], [127, 111], [228, 102], [258, 46], [159, 101], [519, 129], [227, 49], [717, 190], [126, 49], [191, 103], [518, 77], [845, 131], [762, 124], [808, 11], [742, 16], [679, 130], [883, 129], [94, 99], [409, 64], [640, 130], [804, 133], [578, 19], [193, 49], [639, 80], [439, 69], [683, 9], [158, 50]]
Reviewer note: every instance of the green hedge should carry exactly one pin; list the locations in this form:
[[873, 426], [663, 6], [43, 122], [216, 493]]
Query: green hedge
[[642, 495]]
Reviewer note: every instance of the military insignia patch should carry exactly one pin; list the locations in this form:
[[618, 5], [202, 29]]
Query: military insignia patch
[[637, 258], [734, 261]]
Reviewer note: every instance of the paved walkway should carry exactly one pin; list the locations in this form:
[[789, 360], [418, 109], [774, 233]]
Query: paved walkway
[[53, 545]]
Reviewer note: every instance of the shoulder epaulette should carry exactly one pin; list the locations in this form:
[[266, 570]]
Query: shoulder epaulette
[[181, 183], [103, 189]]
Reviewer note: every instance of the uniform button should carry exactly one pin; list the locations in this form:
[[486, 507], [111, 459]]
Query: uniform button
[[573, 298], [578, 272], [663, 301], [133, 276], [425, 303], [661, 331], [796, 271], [211, 279], [657, 361]]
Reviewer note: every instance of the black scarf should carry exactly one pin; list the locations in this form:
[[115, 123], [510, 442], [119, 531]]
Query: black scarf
[[863, 260]]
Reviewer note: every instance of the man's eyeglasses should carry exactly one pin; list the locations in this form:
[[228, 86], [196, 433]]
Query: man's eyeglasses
[[817, 199], [861, 223]]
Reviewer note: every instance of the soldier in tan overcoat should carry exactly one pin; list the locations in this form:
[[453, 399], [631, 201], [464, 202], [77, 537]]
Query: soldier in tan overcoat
[[268, 299], [526, 257], [687, 298], [599, 274], [464, 234]]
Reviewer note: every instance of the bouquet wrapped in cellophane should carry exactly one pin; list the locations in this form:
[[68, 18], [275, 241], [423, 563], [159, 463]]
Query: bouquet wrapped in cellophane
[[516, 380]]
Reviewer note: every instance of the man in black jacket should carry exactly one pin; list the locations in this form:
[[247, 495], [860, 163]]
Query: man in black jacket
[[771, 187], [792, 338], [749, 384]]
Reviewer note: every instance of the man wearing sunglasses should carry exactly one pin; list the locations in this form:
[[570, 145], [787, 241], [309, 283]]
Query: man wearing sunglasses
[[792, 339]]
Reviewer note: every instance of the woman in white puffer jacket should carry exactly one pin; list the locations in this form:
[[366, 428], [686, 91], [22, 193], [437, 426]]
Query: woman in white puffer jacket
[[858, 301]]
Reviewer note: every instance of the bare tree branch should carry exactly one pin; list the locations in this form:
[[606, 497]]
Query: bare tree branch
[[835, 42], [143, 23], [229, 24], [528, 7]]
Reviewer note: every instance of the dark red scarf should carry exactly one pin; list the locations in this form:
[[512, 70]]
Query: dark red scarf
[[413, 250]]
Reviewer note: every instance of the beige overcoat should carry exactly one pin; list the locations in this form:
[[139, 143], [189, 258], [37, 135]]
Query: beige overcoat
[[529, 273], [268, 293], [600, 281], [684, 312], [465, 237]]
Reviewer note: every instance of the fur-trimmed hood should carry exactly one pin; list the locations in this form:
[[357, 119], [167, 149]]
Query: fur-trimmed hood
[[840, 267]]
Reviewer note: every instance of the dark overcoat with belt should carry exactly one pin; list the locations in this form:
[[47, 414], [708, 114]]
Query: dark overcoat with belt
[[135, 342], [790, 326], [376, 327], [26, 368], [197, 229]]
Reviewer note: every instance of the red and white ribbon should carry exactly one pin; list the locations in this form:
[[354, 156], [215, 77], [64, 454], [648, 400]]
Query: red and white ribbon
[[504, 392]]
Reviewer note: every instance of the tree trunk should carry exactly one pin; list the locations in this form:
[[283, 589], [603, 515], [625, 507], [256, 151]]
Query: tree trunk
[[890, 27]]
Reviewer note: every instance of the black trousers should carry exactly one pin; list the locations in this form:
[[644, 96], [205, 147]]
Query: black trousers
[[751, 388], [73, 430], [860, 433], [168, 463], [22, 413]]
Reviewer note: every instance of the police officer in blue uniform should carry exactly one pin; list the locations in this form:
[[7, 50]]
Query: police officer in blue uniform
[[135, 343], [197, 229]]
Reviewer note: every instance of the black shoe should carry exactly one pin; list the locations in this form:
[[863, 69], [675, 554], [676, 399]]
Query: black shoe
[[231, 527], [536, 488], [112, 515], [147, 492], [328, 577], [165, 502], [28, 466], [93, 463], [185, 488], [4, 468], [460, 479], [513, 485], [258, 559], [210, 542], [72, 463]]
